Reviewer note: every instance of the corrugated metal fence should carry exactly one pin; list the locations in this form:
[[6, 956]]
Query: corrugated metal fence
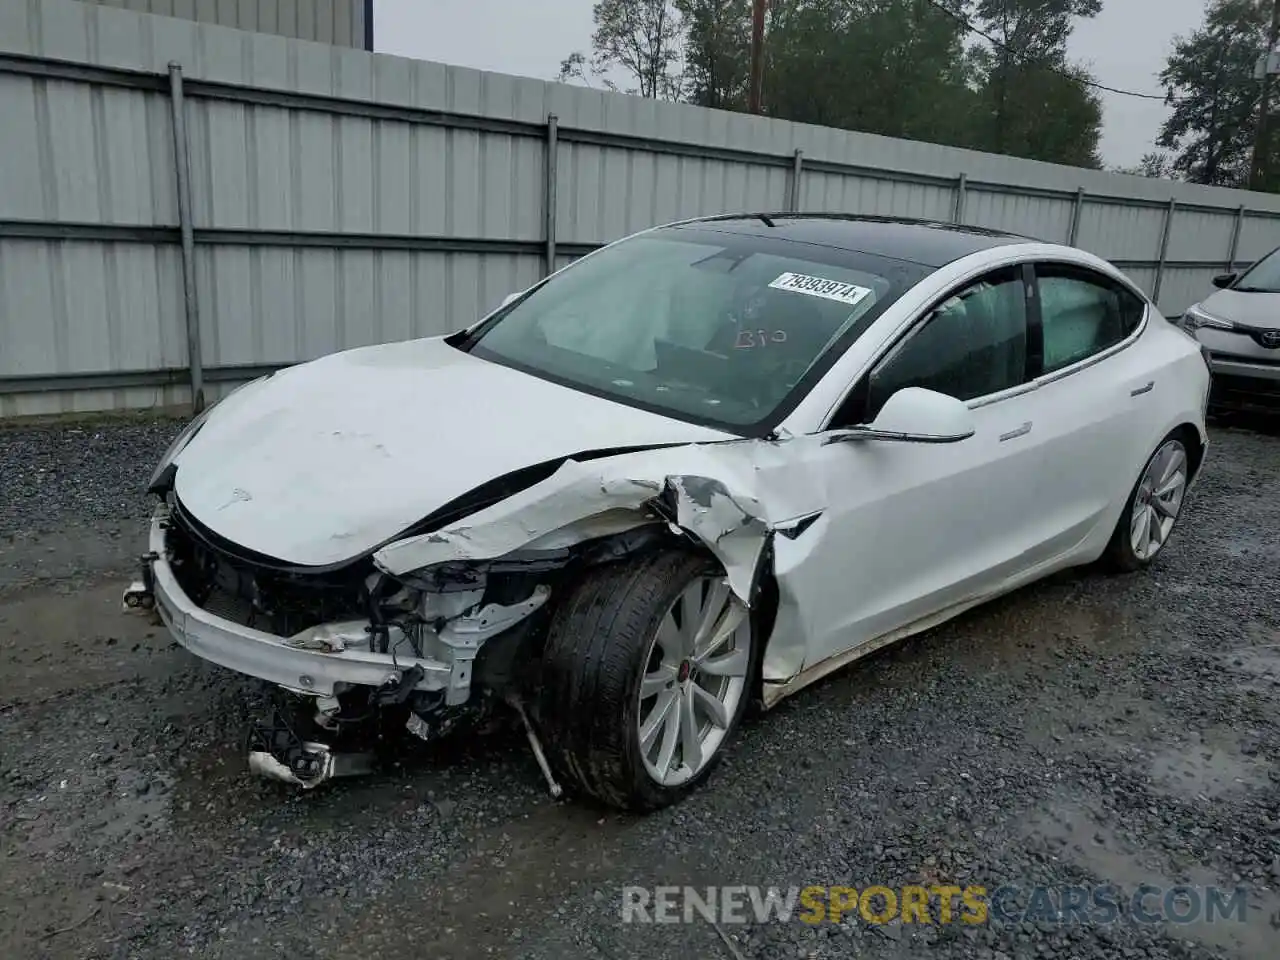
[[348, 23], [337, 198]]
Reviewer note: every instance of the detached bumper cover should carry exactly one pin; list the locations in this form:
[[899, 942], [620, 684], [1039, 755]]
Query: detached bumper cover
[[245, 650]]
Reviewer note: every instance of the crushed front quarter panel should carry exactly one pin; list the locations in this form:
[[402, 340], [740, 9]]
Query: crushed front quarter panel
[[716, 488]]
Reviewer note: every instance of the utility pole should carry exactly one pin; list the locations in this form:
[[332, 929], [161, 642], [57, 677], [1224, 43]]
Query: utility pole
[[1260, 167], [757, 54]]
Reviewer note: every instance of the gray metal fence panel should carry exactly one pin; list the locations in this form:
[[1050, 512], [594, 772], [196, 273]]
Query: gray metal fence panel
[[605, 193], [260, 167], [1120, 232], [276, 305], [1202, 235], [82, 153], [340, 198], [1258, 237], [843, 193], [1046, 218], [70, 307], [339, 22]]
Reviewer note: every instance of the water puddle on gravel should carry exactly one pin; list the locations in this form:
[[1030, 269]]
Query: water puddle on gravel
[[1039, 626], [1202, 770], [1252, 544], [1075, 836], [93, 811], [1258, 665]]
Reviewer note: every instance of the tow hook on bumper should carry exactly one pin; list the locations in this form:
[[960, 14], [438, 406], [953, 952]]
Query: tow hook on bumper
[[278, 753], [140, 594]]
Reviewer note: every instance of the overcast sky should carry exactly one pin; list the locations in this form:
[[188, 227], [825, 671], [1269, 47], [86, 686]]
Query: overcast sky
[[1125, 46]]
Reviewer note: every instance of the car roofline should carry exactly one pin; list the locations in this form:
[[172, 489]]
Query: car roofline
[[766, 215]]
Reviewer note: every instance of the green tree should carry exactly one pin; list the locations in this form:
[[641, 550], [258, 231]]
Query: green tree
[[1208, 79], [900, 68], [717, 51], [1032, 101], [642, 38], [1036, 29], [891, 67], [1032, 110], [1155, 164]]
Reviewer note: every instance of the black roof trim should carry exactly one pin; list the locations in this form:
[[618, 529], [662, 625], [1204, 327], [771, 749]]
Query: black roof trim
[[930, 243]]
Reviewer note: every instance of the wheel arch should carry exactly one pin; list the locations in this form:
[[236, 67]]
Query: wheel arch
[[763, 610], [765, 598], [1195, 444]]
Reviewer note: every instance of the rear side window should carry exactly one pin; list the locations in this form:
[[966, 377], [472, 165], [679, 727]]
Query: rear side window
[[1082, 313], [973, 344]]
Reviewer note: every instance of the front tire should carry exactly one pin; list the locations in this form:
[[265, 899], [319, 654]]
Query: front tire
[[645, 676], [1153, 507]]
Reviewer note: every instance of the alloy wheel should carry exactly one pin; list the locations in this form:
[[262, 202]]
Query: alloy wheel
[[1158, 500], [695, 679]]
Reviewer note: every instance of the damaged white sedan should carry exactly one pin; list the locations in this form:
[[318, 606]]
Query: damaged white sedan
[[701, 467]]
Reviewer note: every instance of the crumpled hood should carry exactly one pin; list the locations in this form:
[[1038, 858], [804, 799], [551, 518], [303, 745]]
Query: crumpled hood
[[325, 461], [1252, 309]]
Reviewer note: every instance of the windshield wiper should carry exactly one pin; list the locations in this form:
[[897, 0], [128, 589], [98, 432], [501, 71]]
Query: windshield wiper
[[1247, 289]]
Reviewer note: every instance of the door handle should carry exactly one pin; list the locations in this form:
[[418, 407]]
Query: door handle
[[1141, 390], [1022, 431]]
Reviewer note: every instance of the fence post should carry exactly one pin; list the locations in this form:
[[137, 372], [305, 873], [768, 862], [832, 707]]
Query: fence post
[[797, 169], [962, 187], [1164, 250], [190, 300], [1075, 217], [549, 193], [1235, 239]]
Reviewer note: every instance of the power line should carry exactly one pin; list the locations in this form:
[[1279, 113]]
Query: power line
[[972, 28]]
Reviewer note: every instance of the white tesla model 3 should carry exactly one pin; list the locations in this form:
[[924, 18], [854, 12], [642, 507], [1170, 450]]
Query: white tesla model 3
[[701, 467]]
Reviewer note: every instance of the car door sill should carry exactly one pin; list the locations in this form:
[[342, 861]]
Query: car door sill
[[773, 692]]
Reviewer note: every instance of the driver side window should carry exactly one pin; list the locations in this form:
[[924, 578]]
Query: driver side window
[[973, 344]]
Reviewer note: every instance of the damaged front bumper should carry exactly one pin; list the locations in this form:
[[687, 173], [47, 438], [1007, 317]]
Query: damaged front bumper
[[325, 670], [405, 626]]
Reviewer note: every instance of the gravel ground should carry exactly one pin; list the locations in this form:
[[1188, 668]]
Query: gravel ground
[[1085, 729]]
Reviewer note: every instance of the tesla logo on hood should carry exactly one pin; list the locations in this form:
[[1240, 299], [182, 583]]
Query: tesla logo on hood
[[237, 496]]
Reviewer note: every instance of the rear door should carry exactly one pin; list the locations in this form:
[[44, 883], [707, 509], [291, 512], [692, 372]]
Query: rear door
[[1095, 401]]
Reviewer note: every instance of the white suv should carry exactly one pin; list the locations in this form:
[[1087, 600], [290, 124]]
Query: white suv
[[1240, 326]]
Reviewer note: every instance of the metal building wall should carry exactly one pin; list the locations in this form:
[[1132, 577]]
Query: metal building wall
[[340, 198], [344, 23]]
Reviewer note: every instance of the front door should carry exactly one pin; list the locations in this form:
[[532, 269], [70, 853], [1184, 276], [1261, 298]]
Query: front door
[[912, 529]]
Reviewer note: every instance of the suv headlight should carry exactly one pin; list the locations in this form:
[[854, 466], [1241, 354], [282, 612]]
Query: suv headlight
[[1196, 317]]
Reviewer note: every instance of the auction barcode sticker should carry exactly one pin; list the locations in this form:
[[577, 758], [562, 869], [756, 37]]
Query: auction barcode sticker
[[849, 293]]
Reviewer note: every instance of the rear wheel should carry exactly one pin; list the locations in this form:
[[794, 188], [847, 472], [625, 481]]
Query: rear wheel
[[645, 677], [1153, 508]]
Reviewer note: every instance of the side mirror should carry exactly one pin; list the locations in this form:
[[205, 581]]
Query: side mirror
[[915, 415], [1224, 280]]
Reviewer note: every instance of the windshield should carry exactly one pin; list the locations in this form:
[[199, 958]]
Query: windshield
[[1262, 277], [714, 327]]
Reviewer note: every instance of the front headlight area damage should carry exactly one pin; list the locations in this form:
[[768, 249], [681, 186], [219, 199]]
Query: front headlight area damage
[[442, 630]]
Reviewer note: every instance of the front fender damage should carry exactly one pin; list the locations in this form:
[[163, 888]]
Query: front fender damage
[[585, 501], [585, 512]]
